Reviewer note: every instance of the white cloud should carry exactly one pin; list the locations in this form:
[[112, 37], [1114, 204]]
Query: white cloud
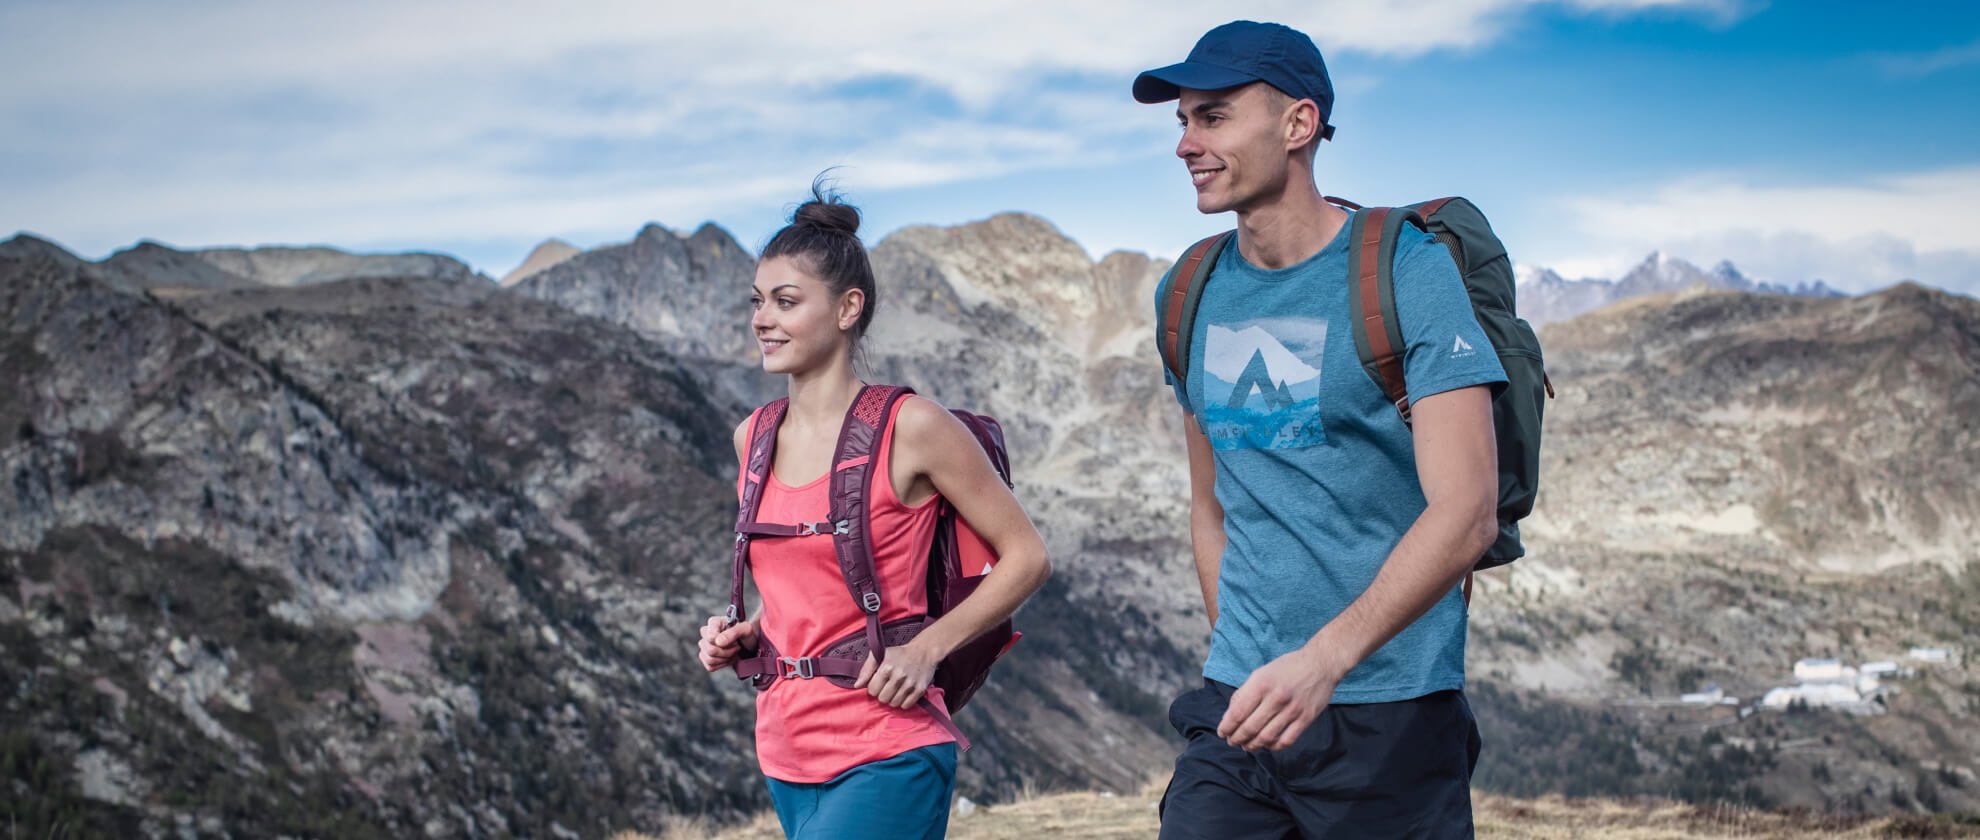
[[375, 121], [1855, 235], [1919, 64]]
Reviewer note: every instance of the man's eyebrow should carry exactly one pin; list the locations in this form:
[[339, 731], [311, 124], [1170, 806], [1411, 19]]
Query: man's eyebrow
[[1202, 107]]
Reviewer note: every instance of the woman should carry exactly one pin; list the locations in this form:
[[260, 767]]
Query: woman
[[872, 761]]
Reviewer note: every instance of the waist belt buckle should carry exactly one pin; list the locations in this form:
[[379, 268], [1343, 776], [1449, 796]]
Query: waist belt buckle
[[797, 668]]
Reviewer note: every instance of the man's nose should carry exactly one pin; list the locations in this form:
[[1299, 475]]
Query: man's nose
[[1187, 147]]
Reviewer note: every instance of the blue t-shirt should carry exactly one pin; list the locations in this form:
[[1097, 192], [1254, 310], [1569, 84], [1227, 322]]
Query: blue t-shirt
[[1315, 470]]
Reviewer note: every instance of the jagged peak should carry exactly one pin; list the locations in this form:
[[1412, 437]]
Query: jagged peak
[[710, 232], [653, 230], [24, 244]]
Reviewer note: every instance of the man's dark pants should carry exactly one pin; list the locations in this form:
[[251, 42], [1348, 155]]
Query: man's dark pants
[[1399, 769]]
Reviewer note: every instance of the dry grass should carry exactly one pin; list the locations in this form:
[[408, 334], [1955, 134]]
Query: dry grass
[[1106, 815]]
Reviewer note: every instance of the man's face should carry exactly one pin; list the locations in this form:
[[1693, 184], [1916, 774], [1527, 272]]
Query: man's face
[[1234, 143]]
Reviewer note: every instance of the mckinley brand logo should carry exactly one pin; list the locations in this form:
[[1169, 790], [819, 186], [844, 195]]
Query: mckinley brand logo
[[1460, 348]]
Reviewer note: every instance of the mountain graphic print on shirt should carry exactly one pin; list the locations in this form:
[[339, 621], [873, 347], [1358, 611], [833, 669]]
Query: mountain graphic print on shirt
[[1261, 384]]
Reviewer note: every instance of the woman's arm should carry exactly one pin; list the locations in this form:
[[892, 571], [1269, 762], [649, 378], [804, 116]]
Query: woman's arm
[[930, 442]]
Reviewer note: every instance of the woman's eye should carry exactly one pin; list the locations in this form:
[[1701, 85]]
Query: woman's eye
[[785, 303]]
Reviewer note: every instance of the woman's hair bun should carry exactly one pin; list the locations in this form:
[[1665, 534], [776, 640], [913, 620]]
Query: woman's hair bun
[[826, 211]]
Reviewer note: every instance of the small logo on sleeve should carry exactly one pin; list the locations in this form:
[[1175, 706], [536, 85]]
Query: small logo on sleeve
[[1461, 348]]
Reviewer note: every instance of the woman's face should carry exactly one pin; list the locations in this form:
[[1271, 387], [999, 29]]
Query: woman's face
[[799, 324]]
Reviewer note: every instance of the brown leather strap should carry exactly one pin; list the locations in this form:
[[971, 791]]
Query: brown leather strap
[[1388, 359], [1181, 281], [1426, 209], [1340, 202]]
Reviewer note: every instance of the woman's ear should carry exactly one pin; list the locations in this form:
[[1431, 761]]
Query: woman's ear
[[851, 304]]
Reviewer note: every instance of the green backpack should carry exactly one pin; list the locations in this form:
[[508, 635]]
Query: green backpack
[[1488, 278]]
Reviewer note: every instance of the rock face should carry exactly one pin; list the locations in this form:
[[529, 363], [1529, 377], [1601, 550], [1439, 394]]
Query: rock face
[[691, 292], [405, 555], [1546, 297]]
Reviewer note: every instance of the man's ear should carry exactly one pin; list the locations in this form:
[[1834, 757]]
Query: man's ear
[[1302, 122]]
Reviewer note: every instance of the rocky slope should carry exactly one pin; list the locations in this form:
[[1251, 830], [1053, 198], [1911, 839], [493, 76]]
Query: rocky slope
[[352, 559], [1733, 482]]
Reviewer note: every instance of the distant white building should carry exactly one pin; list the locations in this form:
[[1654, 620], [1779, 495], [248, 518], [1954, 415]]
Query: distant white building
[[1812, 695], [1823, 671], [1711, 696], [1930, 654], [1878, 669]]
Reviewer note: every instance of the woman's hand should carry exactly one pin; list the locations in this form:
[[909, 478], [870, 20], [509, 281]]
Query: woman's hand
[[904, 677], [720, 646]]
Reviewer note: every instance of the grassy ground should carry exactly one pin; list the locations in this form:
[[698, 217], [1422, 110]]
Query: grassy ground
[[1091, 815]]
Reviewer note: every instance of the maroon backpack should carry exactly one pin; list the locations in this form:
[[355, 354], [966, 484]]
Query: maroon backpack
[[956, 562]]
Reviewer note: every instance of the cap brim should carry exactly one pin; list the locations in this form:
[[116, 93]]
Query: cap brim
[[1166, 83]]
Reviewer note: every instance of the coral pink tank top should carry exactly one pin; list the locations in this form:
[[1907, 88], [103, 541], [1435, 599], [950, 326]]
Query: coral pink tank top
[[810, 731]]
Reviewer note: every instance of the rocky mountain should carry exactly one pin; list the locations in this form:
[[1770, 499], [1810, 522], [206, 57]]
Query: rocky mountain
[[406, 555], [1733, 482], [416, 556], [545, 255], [1546, 297], [149, 265], [352, 559]]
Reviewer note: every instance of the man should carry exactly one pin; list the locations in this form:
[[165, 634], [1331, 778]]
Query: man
[[1330, 537]]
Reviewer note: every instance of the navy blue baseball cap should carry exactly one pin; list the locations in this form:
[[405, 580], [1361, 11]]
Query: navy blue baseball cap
[[1242, 52]]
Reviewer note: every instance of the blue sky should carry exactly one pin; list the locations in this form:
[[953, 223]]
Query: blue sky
[[1801, 140]]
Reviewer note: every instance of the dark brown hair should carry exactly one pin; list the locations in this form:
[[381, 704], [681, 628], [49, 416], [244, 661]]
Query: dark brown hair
[[823, 237]]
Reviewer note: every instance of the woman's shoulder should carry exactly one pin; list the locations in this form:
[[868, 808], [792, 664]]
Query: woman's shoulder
[[920, 416]]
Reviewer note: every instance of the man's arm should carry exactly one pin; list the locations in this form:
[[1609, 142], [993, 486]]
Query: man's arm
[[1206, 514], [1457, 464]]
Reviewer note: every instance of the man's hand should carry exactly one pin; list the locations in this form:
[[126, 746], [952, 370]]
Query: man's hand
[[1277, 702], [901, 680], [720, 646]]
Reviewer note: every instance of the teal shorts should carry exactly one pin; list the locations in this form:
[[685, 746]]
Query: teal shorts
[[906, 796]]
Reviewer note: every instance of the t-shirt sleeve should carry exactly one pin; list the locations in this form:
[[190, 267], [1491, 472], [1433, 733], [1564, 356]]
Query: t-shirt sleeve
[[1444, 348]]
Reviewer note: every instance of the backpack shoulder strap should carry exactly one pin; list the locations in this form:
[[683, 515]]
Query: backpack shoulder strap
[[851, 485], [1378, 338], [1182, 294], [756, 467]]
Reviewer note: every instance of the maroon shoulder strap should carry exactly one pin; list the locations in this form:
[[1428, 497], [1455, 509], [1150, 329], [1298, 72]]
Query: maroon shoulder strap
[[755, 471], [850, 486]]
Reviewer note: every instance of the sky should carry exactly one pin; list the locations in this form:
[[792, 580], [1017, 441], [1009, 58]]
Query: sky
[[1837, 141]]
